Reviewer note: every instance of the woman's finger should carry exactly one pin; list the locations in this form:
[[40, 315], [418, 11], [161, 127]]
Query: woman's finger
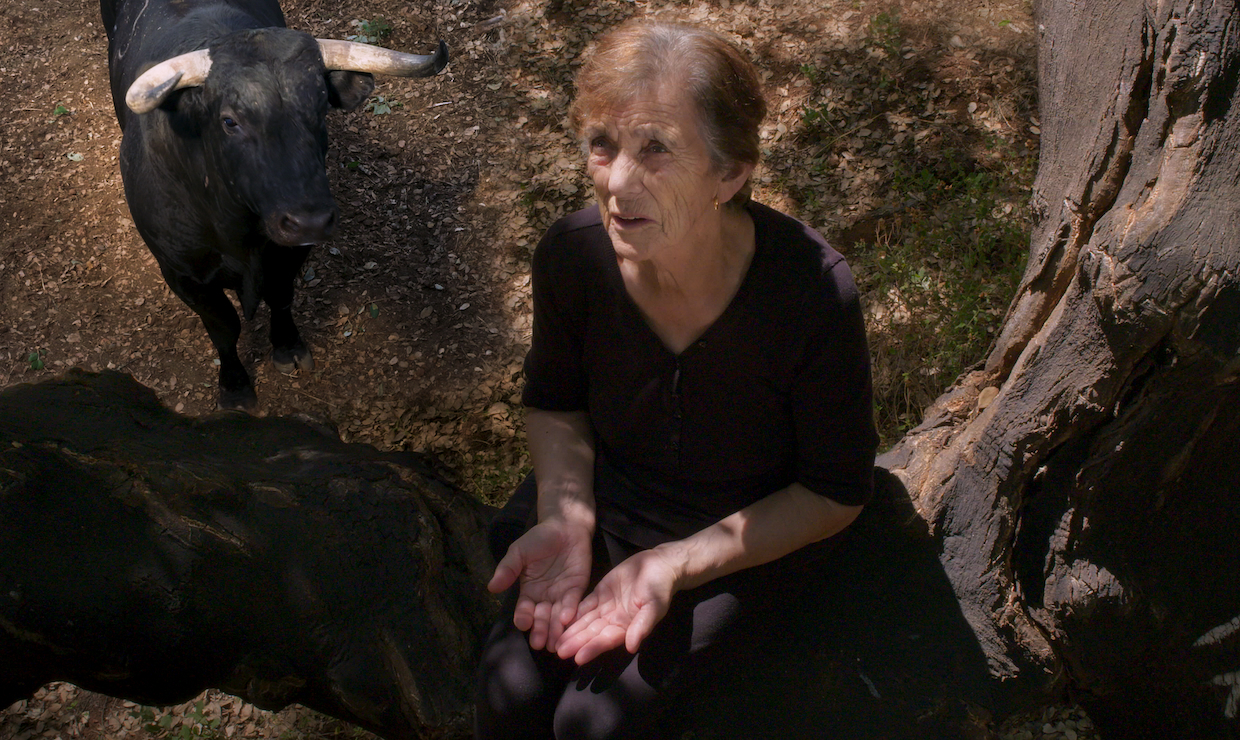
[[587, 605], [579, 633], [554, 632], [523, 615], [538, 632], [569, 606], [507, 570], [503, 578], [608, 638], [641, 627], [570, 633], [565, 612]]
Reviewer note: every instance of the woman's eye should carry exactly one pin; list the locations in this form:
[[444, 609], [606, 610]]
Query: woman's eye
[[599, 145], [656, 147]]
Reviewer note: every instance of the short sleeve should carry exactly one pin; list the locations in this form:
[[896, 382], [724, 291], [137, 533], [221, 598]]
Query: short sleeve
[[832, 397], [555, 378]]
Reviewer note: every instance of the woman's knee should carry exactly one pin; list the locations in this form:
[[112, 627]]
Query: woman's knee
[[515, 691], [610, 698], [585, 716]]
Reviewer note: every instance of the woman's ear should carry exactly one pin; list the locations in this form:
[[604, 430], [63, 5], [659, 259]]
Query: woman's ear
[[734, 180]]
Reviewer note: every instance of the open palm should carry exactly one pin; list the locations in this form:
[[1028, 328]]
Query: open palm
[[552, 563], [622, 610]]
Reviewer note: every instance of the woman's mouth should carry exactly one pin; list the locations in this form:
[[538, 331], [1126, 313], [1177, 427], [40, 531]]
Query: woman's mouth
[[628, 221]]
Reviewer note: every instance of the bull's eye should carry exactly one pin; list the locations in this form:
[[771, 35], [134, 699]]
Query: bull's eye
[[231, 125]]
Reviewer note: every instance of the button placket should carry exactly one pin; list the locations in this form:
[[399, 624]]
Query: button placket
[[677, 418]]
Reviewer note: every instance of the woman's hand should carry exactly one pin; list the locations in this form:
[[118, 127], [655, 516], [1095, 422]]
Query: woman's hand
[[626, 605], [623, 608], [552, 561]]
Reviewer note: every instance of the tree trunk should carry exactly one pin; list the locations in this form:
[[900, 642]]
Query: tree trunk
[[1083, 486], [1062, 521], [150, 556]]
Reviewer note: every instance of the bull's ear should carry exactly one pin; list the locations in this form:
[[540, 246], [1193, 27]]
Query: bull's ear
[[187, 110], [347, 90]]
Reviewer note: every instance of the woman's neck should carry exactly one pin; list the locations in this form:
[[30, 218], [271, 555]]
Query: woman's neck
[[682, 295], [712, 261]]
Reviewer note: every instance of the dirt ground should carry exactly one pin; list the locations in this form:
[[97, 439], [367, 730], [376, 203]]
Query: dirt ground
[[418, 311]]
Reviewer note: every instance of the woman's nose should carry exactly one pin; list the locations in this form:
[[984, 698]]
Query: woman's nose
[[625, 176]]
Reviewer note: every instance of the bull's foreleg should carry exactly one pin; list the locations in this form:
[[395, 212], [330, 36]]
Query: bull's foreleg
[[224, 327], [281, 265]]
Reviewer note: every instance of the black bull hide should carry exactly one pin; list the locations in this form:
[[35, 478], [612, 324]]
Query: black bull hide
[[149, 555], [226, 180]]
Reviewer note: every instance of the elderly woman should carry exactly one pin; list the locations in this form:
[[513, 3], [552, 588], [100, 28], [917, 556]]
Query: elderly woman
[[699, 405]]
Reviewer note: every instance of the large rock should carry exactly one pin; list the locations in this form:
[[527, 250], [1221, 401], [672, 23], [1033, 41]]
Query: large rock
[[149, 555]]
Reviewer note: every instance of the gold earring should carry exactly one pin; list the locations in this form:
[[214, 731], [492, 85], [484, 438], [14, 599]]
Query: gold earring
[[716, 202]]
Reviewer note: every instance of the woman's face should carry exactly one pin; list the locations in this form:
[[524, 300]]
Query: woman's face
[[653, 176]]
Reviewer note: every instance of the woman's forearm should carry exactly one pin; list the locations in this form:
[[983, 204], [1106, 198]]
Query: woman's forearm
[[562, 450], [781, 523]]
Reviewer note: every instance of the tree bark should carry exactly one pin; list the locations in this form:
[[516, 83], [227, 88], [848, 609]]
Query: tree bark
[[1062, 524], [1082, 486], [150, 556]]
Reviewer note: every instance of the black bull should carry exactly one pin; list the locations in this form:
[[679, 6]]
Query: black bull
[[224, 167]]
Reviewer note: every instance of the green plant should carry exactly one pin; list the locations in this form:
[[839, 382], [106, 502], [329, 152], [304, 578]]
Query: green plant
[[35, 359], [489, 474], [370, 32], [193, 725], [938, 274], [818, 121], [885, 33], [380, 105]]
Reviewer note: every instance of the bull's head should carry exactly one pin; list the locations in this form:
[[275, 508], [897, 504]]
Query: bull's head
[[258, 99]]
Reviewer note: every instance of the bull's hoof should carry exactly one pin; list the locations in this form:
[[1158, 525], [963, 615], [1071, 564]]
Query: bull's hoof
[[293, 358], [242, 399]]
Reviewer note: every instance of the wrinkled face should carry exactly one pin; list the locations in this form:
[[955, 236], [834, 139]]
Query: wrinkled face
[[263, 120], [652, 172]]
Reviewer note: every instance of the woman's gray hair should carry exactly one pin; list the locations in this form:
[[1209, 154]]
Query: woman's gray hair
[[637, 55]]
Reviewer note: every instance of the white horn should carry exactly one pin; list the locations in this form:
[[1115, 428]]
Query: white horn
[[356, 57], [155, 84]]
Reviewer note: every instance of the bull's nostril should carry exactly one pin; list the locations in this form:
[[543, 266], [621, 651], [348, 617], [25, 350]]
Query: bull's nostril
[[289, 225], [322, 224], [302, 226]]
